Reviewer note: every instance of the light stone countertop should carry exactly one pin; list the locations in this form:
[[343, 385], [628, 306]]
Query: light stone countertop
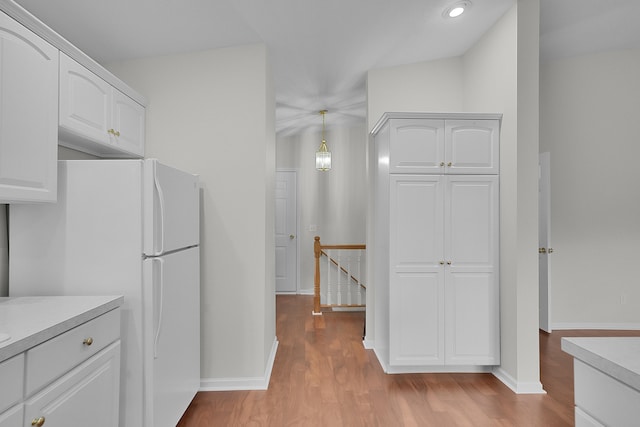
[[28, 321], [618, 357]]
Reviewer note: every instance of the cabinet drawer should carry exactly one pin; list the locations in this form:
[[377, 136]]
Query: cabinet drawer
[[55, 357], [11, 372]]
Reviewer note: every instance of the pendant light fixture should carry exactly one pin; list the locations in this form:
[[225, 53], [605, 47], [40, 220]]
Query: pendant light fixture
[[323, 155]]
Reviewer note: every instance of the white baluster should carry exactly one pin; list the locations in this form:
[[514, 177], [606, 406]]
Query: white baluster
[[329, 301]]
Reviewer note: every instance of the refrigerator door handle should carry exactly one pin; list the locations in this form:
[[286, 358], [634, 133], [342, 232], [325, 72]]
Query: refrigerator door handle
[[159, 233], [159, 303]]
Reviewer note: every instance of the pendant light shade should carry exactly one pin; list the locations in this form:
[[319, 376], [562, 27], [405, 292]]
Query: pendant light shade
[[323, 155]]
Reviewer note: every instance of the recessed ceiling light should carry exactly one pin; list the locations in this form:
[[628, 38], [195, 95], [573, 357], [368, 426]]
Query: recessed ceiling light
[[456, 9]]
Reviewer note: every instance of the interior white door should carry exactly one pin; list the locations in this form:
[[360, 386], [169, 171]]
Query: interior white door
[[544, 229], [286, 232]]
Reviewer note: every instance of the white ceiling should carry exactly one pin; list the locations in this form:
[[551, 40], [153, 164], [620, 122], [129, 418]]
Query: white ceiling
[[320, 51]]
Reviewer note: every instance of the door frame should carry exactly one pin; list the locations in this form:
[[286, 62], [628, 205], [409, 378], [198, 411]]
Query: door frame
[[544, 214], [296, 173]]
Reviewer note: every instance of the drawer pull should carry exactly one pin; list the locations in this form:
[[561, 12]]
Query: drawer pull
[[39, 422], [88, 341]]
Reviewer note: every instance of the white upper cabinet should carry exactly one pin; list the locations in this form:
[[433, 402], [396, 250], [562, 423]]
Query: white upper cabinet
[[439, 146], [471, 147], [28, 115], [416, 146], [95, 117]]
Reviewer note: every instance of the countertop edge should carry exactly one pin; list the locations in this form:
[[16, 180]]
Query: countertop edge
[[613, 369], [23, 344]]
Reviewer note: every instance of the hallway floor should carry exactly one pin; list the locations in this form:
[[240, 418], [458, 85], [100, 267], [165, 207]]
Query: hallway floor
[[323, 376]]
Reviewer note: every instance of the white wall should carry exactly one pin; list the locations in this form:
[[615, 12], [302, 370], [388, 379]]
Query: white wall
[[333, 201], [590, 107], [432, 86], [212, 113], [498, 75]]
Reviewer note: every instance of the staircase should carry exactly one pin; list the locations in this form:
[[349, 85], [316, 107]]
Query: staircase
[[339, 277]]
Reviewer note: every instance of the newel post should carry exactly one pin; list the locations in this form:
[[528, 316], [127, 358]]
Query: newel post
[[317, 250]]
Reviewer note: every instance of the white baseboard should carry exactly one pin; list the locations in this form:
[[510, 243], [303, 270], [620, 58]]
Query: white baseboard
[[601, 326], [367, 343], [306, 292], [245, 383], [518, 387]]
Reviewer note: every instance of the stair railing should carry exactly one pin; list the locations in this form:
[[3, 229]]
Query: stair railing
[[342, 270]]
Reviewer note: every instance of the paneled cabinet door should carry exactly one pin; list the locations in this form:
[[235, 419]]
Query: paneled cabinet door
[[28, 115], [87, 395], [416, 146], [128, 121], [416, 288], [471, 147], [471, 270], [84, 101]]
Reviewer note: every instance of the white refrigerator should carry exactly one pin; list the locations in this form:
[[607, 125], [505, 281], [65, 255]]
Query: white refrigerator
[[124, 227]]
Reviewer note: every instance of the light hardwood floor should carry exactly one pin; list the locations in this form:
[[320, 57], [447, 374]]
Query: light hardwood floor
[[322, 376]]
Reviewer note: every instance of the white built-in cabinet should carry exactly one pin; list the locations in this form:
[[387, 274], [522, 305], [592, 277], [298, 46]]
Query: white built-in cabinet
[[72, 379], [436, 237], [53, 94], [28, 115], [95, 117]]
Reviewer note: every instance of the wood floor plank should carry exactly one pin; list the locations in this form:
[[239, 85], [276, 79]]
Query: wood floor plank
[[323, 376]]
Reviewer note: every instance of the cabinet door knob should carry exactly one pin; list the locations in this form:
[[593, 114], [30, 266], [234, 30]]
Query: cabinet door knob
[[88, 341], [441, 163], [39, 422], [448, 262], [550, 250], [449, 164], [441, 262], [542, 250], [113, 132]]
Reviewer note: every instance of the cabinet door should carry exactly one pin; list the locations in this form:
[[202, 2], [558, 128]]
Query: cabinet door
[[87, 395], [472, 147], [28, 115], [84, 102], [128, 123], [471, 271], [12, 417], [416, 146], [416, 294]]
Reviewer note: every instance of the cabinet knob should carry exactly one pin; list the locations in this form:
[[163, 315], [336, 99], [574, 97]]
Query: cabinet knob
[[550, 250], [441, 163], [113, 132], [449, 164], [441, 262], [39, 422], [88, 341], [448, 262], [542, 250]]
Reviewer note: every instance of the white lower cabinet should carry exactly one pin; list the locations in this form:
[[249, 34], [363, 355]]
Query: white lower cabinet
[[88, 394], [12, 417], [70, 380]]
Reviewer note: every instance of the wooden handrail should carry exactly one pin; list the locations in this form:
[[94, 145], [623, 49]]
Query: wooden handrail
[[318, 250]]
